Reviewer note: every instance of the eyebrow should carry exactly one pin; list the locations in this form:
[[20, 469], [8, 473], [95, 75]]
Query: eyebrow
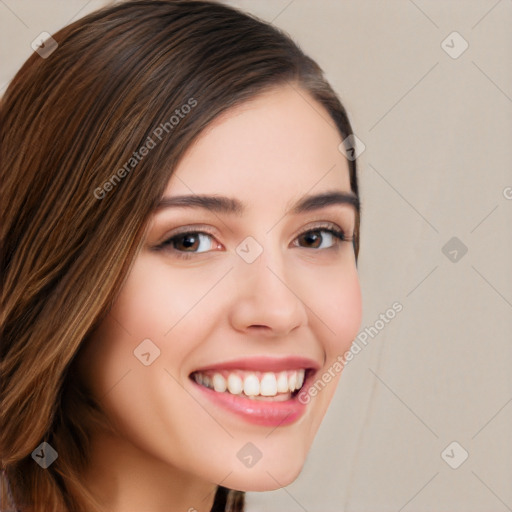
[[222, 204]]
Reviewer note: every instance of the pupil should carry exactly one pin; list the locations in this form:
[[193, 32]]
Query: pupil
[[189, 241], [312, 238]]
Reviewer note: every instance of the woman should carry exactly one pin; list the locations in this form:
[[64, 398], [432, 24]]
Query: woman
[[179, 235]]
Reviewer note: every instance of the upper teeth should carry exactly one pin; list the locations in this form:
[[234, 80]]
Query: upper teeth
[[252, 383]]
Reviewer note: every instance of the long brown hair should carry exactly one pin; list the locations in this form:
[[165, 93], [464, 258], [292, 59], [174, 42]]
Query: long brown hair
[[73, 221]]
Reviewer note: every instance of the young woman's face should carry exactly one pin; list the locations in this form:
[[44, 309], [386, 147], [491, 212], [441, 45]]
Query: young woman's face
[[244, 284]]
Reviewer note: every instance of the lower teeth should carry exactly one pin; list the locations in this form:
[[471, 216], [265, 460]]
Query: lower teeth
[[280, 397]]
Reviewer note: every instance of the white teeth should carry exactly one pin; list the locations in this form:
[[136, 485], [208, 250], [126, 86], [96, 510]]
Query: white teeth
[[300, 378], [292, 381], [234, 384], [282, 382], [219, 383], [251, 384], [268, 385]]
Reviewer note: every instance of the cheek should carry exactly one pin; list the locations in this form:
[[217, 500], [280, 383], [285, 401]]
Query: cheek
[[157, 299], [145, 308], [147, 305], [337, 306], [348, 308], [335, 317]]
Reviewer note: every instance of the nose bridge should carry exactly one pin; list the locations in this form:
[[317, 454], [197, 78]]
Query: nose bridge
[[266, 295], [266, 270]]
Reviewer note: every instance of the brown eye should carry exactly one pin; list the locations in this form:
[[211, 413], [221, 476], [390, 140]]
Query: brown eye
[[194, 242], [311, 239], [186, 242], [320, 238]]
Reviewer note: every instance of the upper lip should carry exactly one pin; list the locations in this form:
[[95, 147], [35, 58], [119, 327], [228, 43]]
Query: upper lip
[[263, 364]]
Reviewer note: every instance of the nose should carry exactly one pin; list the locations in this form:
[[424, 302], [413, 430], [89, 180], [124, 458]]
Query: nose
[[266, 302]]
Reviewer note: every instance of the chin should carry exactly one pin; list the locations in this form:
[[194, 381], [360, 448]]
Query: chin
[[264, 479], [278, 467]]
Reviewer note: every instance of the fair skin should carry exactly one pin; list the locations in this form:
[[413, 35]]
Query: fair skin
[[300, 297]]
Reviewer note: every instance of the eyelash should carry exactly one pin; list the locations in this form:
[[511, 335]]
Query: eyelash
[[166, 245]]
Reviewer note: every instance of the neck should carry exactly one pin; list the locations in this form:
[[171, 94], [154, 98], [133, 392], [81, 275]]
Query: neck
[[124, 478]]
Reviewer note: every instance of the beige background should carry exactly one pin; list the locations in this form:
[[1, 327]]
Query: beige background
[[437, 165]]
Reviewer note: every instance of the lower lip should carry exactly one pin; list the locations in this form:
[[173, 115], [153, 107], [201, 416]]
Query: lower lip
[[259, 412]]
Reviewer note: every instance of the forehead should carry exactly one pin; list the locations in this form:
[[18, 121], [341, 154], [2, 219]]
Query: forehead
[[276, 147]]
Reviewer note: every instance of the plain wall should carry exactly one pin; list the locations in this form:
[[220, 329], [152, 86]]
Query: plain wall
[[437, 165]]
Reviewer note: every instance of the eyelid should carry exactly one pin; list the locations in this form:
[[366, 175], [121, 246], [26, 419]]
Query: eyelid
[[325, 225], [190, 228]]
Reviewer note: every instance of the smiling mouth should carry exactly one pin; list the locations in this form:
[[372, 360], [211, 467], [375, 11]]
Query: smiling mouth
[[255, 385]]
